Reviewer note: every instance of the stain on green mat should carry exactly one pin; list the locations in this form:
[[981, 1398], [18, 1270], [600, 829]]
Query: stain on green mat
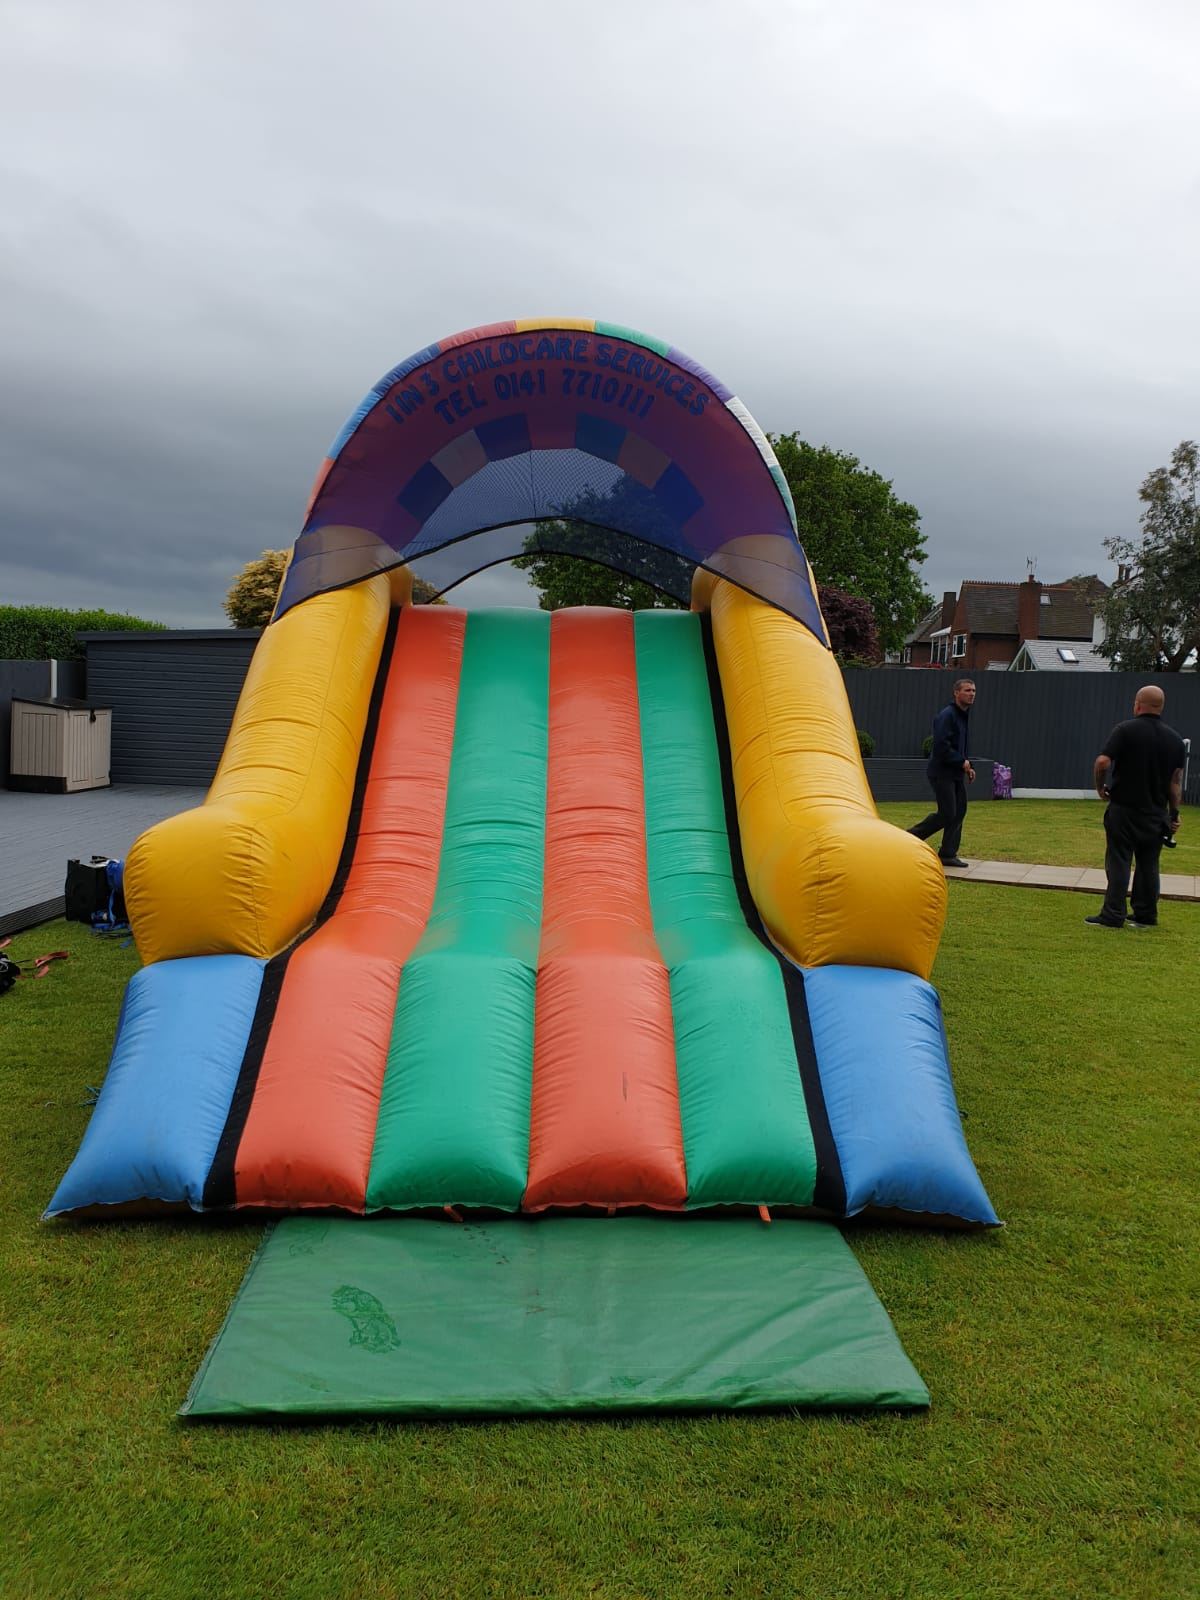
[[374, 1330]]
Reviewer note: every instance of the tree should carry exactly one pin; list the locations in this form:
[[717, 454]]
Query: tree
[[251, 600], [424, 594], [568, 557], [858, 536], [853, 635], [566, 580], [1152, 613]]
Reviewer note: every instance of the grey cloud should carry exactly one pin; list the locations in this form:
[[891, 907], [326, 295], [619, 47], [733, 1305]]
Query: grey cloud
[[957, 241]]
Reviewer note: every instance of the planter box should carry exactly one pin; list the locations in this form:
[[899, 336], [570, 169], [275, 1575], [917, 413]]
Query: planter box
[[906, 780]]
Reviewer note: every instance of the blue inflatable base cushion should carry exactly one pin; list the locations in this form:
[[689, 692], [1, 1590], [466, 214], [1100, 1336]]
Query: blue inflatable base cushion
[[878, 1038], [885, 1074], [180, 1041]]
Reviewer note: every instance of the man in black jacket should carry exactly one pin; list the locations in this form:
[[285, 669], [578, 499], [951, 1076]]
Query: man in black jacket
[[949, 771], [1140, 773]]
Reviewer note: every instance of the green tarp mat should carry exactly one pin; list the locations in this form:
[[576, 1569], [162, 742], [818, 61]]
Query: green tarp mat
[[413, 1317]]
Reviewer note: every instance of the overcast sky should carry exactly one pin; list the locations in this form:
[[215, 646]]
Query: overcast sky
[[956, 237]]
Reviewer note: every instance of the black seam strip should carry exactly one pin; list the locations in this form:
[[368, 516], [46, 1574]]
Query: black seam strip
[[829, 1190], [220, 1188]]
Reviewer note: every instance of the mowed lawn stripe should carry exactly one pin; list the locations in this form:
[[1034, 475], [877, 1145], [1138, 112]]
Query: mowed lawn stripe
[[1058, 1457]]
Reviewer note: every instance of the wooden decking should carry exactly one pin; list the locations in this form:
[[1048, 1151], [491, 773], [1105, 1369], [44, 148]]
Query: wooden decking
[[40, 832]]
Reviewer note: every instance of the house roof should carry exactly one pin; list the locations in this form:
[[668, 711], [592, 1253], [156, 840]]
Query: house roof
[[990, 607], [927, 626], [1066, 609], [1069, 614], [1043, 653]]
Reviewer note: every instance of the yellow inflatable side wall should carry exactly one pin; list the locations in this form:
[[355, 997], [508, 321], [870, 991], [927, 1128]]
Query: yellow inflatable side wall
[[247, 871], [832, 882]]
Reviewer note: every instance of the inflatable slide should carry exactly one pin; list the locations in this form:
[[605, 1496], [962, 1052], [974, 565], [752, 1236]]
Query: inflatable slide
[[515, 911]]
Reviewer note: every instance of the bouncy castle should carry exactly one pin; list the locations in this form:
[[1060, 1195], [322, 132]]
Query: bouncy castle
[[519, 909], [519, 912]]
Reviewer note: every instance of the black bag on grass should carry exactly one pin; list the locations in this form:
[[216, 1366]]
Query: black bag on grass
[[94, 892]]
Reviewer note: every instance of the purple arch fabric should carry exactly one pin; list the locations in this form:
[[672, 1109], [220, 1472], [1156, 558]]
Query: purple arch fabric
[[588, 440]]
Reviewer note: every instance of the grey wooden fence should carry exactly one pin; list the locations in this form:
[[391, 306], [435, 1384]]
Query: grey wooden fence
[[1047, 726], [173, 697]]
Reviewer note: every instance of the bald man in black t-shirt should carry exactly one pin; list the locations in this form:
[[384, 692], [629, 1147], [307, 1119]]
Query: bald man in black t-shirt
[[1140, 773]]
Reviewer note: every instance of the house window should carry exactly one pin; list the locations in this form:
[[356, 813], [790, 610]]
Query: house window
[[960, 645], [906, 654], [1068, 656]]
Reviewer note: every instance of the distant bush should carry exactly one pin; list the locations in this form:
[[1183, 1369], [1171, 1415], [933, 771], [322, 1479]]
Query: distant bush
[[252, 595], [866, 744], [250, 602], [40, 633], [853, 635], [927, 746]]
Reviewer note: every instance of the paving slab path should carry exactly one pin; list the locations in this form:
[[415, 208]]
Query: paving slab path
[[1089, 880]]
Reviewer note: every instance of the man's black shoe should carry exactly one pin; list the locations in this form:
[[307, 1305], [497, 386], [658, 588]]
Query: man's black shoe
[[1102, 922], [953, 861], [1134, 923]]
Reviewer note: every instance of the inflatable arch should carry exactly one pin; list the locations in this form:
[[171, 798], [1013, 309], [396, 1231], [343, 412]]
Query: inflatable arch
[[527, 911], [458, 450]]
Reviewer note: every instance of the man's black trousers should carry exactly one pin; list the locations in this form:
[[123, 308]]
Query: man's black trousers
[[1133, 837], [950, 797]]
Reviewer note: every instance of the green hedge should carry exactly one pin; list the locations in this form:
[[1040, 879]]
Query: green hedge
[[37, 633]]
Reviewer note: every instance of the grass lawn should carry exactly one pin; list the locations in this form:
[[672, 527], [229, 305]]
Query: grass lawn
[[1059, 1458], [1053, 833]]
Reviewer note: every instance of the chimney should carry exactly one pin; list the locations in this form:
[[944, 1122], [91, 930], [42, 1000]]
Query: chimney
[[949, 604], [1029, 610]]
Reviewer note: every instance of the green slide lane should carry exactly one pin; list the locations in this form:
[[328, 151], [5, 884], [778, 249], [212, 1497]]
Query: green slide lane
[[746, 1133], [454, 1114]]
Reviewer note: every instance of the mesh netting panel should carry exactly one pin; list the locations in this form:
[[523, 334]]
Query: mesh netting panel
[[612, 446], [449, 565]]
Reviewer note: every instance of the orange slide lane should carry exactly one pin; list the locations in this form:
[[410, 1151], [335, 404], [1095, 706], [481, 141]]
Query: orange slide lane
[[311, 1124], [605, 1126]]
